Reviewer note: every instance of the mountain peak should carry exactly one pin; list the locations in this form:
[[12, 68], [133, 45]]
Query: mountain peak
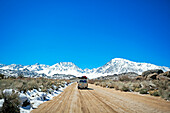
[[64, 64], [115, 66], [67, 63], [37, 64], [119, 60]]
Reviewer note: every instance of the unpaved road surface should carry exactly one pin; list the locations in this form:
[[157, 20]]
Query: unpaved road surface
[[102, 100]]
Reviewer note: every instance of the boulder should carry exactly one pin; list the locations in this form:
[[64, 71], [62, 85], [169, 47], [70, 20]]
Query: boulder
[[139, 78], [152, 76], [146, 73], [167, 74], [160, 77]]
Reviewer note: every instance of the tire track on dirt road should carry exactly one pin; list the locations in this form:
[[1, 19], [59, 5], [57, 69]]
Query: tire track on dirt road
[[102, 100]]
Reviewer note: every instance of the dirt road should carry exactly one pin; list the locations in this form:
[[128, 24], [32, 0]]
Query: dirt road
[[102, 100]]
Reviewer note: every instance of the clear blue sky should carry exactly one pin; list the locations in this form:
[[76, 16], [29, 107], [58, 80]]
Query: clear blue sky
[[88, 33]]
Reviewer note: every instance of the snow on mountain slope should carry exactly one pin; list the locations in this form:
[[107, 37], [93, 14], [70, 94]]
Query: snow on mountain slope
[[118, 66], [63, 68], [12, 67], [37, 67], [115, 66], [2, 65]]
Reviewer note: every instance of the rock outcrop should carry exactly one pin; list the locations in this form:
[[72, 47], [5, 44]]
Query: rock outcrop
[[152, 76], [139, 78], [164, 76], [167, 74], [146, 73]]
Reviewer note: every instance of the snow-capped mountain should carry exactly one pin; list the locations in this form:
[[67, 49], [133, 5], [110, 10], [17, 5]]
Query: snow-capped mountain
[[12, 66], [118, 66], [62, 68], [37, 67], [115, 66]]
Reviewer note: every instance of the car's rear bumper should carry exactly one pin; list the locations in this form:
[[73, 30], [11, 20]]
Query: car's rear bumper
[[83, 86]]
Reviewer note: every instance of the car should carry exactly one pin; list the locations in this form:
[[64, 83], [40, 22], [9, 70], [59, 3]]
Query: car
[[82, 83]]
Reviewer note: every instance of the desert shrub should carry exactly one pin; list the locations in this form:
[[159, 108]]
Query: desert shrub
[[147, 85], [52, 82], [20, 76], [12, 77], [38, 81], [5, 83], [156, 82], [162, 84], [43, 80], [154, 93], [118, 85], [163, 87], [124, 78], [44, 89], [2, 76], [16, 84], [68, 81], [125, 88], [164, 94], [23, 88], [137, 85], [25, 84], [100, 83], [58, 85], [143, 91], [1, 96], [103, 84], [54, 87], [137, 90], [91, 81], [32, 85], [49, 83], [96, 83], [50, 90], [11, 103], [111, 85], [131, 88]]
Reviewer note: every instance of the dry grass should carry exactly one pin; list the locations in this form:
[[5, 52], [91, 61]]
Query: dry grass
[[154, 88], [125, 78], [92, 81], [96, 83], [25, 84]]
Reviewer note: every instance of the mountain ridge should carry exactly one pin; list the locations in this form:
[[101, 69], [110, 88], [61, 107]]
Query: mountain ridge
[[114, 66]]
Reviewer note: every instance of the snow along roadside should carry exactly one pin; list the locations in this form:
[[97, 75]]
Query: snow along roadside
[[34, 97]]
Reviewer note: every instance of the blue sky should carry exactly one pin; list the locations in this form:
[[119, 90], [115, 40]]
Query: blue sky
[[88, 33]]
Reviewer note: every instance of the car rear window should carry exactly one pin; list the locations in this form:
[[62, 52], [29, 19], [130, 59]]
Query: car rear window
[[83, 81]]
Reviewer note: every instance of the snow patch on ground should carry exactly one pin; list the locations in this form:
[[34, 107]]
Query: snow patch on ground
[[1, 102], [34, 97]]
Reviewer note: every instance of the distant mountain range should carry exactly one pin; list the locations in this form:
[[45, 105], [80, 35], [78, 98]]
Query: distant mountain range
[[115, 66]]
